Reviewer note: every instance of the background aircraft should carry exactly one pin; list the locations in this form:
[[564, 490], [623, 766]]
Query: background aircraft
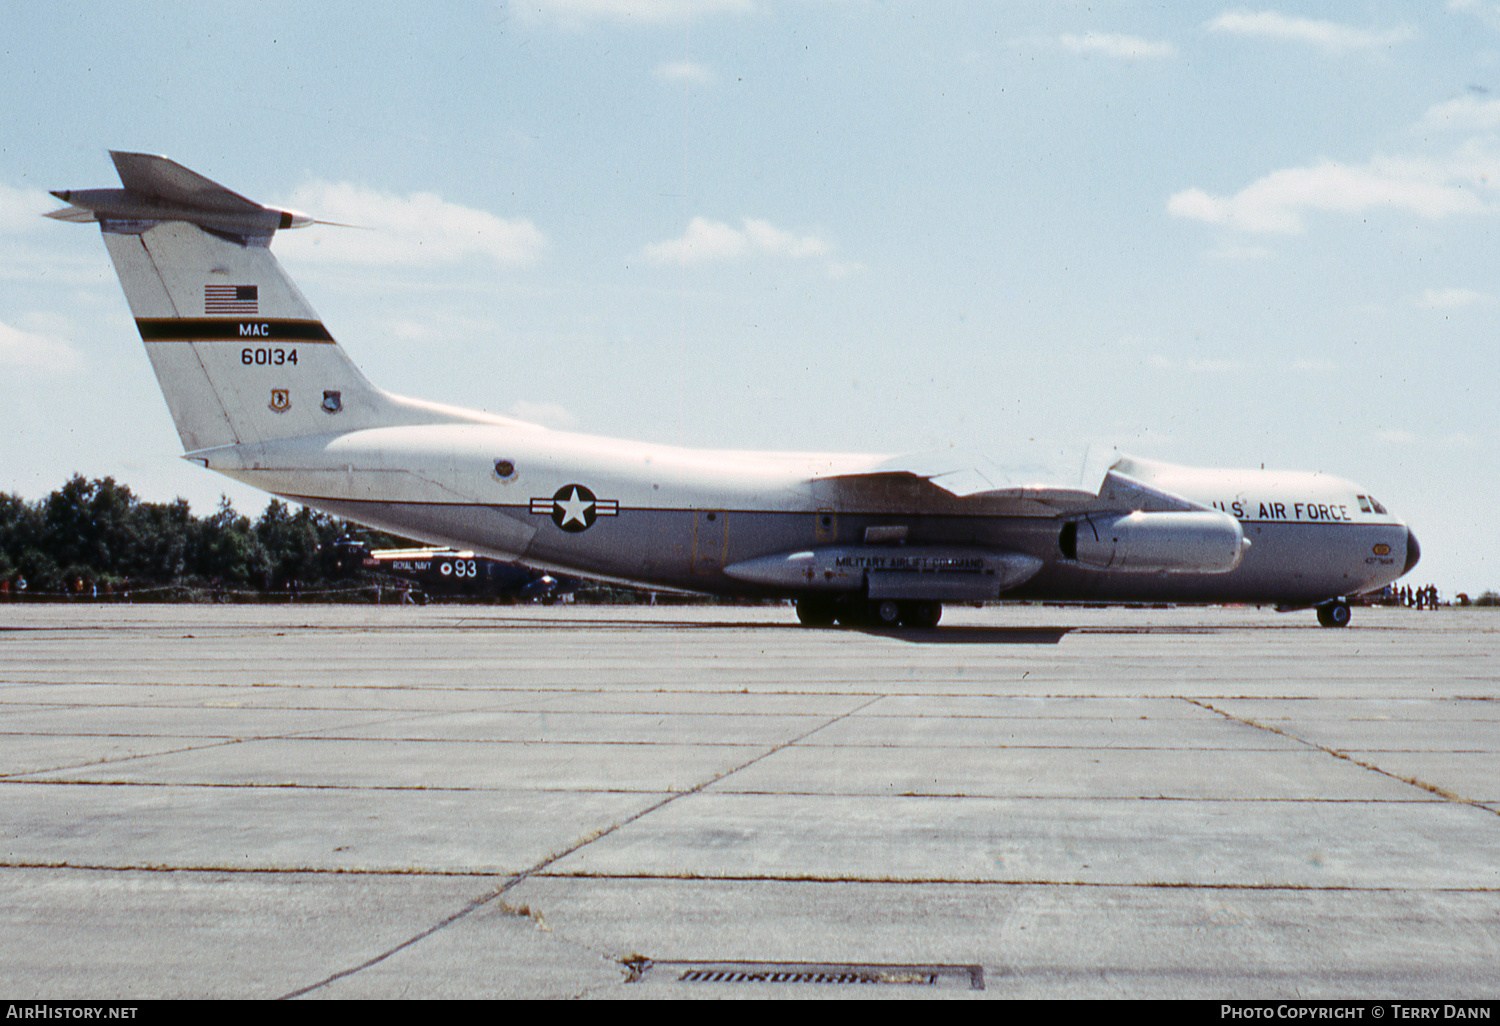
[[448, 571]]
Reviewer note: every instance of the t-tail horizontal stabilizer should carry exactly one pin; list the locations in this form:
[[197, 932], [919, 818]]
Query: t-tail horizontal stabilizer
[[158, 189]]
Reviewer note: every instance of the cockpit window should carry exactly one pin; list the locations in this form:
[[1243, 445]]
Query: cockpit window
[[1369, 502], [1364, 504]]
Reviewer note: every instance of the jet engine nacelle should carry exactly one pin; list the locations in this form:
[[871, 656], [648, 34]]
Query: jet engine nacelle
[[1204, 542]]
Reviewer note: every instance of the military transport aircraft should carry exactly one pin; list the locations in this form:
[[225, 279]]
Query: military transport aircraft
[[261, 392]]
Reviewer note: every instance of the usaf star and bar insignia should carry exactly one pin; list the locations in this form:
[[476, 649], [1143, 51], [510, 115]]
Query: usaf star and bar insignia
[[574, 508]]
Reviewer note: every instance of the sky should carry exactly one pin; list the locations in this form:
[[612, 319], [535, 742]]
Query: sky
[[1204, 233]]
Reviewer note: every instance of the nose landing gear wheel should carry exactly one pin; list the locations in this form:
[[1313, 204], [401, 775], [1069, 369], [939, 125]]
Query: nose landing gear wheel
[[851, 611], [1334, 614]]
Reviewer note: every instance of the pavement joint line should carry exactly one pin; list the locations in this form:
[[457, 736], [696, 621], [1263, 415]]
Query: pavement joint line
[[933, 881], [737, 688], [252, 786], [769, 878], [256, 870], [526, 874], [19, 707], [1412, 781], [1118, 798], [212, 742], [523, 741], [604, 742], [935, 795], [18, 777]]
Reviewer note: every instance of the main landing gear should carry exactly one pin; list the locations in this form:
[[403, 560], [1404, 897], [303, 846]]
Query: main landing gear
[[854, 611], [1334, 614]]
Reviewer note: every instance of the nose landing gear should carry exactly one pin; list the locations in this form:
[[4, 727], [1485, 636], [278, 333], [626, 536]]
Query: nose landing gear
[[1334, 614]]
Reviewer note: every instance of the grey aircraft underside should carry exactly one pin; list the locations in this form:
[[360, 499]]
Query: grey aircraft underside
[[259, 391]]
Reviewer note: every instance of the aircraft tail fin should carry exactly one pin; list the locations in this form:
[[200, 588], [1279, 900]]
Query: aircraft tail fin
[[238, 351]]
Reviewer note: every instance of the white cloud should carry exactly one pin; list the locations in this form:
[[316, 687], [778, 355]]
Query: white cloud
[[1486, 11], [1215, 366], [767, 238], [1460, 440], [577, 12], [37, 350], [1130, 48], [1328, 35], [552, 415], [708, 241], [1195, 366], [703, 242], [1276, 203], [420, 229], [1467, 113], [21, 210], [1230, 252], [408, 330], [685, 73], [1447, 299]]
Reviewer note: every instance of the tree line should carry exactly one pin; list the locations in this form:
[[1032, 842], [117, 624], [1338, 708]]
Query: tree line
[[96, 536]]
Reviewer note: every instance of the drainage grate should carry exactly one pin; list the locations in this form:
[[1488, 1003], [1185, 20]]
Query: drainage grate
[[970, 976]]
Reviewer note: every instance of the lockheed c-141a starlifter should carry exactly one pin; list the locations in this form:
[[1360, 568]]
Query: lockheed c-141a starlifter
[[260, 391]]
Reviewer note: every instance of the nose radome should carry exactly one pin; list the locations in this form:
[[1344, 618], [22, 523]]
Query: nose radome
[[1413, 551]]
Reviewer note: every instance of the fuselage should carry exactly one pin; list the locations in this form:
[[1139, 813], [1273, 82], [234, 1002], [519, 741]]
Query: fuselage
[[673, 517]]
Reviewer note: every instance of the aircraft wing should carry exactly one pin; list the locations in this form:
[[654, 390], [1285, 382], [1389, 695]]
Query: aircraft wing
[[970, 477]]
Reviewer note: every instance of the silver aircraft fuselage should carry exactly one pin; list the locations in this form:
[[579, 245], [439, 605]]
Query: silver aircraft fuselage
[[679, 518]]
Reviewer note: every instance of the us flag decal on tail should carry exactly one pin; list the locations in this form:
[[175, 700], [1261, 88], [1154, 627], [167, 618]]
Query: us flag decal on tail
[[231, 299]]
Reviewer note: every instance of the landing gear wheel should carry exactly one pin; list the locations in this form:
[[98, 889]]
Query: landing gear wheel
[[851, 612], [921, 614], [1334, 614], [815, 611], [885, 612]]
